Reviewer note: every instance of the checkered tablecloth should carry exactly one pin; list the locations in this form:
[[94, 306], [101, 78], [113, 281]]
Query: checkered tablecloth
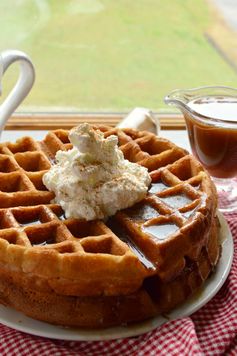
[[210, 331]]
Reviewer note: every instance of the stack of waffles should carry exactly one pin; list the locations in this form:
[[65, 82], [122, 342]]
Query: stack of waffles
[[141, 262]]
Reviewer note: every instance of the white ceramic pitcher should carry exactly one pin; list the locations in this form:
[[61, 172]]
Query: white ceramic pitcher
[[22, 87]]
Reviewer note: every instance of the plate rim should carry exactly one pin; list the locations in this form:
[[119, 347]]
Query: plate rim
[[191, 305]]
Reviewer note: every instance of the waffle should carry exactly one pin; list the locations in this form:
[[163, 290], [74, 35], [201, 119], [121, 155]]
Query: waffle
[[139, 263]]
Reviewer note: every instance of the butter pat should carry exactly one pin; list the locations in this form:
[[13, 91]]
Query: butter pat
[[93, 180]]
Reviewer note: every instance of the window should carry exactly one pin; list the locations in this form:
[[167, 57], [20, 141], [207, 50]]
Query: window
[[103, 55]]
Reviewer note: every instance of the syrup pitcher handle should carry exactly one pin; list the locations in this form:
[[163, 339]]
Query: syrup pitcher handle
[[22, 87]]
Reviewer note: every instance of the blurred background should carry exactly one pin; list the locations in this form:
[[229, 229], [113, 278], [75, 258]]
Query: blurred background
[[111, 56]]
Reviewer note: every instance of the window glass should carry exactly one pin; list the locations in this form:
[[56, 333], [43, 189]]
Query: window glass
[[103, 55]]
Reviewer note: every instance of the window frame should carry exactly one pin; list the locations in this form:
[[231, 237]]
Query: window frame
[[51, 121]]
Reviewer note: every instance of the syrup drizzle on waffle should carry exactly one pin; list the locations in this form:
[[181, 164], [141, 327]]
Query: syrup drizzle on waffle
[[123, 236]]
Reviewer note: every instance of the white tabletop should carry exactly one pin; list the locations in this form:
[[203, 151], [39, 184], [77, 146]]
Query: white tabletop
[[180, 138]]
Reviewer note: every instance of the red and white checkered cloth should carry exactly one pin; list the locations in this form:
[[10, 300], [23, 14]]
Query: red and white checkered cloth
[[210, 331]]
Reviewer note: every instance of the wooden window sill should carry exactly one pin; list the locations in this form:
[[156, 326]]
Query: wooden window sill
[[50, 121]]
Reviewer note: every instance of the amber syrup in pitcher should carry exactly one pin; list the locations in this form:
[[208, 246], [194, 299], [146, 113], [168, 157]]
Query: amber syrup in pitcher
[[213, 139]]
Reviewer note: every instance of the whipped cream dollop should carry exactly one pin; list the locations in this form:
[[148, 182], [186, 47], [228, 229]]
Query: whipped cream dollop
[[93, 180]]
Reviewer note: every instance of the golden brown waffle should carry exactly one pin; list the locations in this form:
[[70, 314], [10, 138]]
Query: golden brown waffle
[[141, 262]]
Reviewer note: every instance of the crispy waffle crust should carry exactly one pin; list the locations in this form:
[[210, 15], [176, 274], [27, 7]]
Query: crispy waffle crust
[[141, 262]]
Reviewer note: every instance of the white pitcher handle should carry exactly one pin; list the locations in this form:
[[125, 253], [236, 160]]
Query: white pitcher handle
[[22, 87]]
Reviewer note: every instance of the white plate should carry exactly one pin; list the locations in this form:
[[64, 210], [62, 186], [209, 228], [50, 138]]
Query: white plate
[[18, 321]]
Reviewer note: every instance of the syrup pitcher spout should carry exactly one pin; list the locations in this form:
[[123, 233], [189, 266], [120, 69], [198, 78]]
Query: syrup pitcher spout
[[22, 87], [179, 98]]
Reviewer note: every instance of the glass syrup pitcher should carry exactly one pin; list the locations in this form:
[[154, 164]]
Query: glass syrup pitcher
[[210, 115]]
